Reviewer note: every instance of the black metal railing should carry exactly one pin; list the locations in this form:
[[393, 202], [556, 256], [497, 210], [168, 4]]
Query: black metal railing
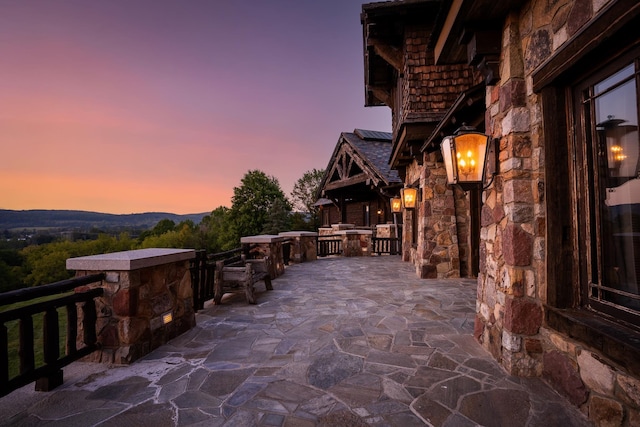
[[329, 245], [47, 373], [386, 245]]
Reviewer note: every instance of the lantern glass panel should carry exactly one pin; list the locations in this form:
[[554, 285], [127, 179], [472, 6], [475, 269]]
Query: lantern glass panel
[[470, 151], [396, 205], [448, 153], [409, 197]]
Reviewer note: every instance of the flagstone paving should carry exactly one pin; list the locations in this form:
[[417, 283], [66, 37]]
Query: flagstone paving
[[338, 342]]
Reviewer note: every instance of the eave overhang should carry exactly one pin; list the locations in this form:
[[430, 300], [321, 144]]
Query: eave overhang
[[463, 19], [383, 36], [469, 109], [410, 138]]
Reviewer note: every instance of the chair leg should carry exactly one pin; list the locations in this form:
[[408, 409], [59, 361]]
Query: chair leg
[[217, 283], [249, 292], [267, 283]]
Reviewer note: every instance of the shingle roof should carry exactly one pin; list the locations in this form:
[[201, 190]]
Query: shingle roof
[[375, 148]]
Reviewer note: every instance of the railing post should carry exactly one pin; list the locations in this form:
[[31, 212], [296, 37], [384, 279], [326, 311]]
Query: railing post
[[4, 360], [27, 360], [195, 274], [51, 342], [72, 328], [89, 318]]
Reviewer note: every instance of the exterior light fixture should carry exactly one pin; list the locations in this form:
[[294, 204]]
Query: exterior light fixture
[[465, 157], [396, 205], [167, 317], [409, 196]]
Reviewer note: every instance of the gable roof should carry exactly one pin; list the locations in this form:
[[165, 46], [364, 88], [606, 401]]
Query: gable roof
[[375, 147], [360, 157]]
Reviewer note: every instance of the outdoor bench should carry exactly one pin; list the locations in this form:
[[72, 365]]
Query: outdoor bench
[[240, 277]]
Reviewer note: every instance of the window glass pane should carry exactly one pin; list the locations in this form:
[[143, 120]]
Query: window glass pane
[[612, 80], [618, 164]]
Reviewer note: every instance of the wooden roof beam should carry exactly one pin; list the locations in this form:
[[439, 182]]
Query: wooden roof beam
[[391, 54], [381, 94], [357, 179]]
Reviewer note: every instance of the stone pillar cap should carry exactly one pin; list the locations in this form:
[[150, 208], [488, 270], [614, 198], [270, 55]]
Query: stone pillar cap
[[262, 238], [298, 234], [130, 260], [341, 226]]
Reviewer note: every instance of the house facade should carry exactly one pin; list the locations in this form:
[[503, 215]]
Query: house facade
[[554, 237], [358, 181]]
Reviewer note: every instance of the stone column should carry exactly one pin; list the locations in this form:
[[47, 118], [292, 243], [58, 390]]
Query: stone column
[[303, 245], [267, 245], [438, 250], [356, 242], [386, 231], [147, 300], [510, 313]]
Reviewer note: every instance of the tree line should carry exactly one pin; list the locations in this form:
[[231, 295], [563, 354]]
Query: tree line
[[258, 206]]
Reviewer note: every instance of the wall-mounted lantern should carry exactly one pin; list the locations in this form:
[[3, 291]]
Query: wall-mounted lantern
[[465, 157], [396, 205], [409, 196]]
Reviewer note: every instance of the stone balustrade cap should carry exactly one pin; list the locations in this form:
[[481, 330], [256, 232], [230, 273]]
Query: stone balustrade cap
[[130, 260], [345, 232], [298, 234], [342, 226], [262, 238]]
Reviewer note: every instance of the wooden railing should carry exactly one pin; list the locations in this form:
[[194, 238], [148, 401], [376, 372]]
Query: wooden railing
[[203, 272], [47, 373], [386, 245], [329, 245]]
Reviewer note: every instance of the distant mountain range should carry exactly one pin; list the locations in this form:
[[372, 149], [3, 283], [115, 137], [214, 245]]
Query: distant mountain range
[[30, 219]]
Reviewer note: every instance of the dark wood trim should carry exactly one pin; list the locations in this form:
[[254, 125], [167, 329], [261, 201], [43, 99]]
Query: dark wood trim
[[357, 179], [391, 54], [559, 218], [613, 19], [475, 212]]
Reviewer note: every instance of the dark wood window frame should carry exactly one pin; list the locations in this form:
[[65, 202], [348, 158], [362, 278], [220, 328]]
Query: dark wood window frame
[[610, 35]]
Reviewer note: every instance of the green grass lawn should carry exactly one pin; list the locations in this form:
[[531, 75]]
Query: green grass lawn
[[13, 332]]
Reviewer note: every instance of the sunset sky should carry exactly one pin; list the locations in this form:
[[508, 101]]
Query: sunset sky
[[127, 106]]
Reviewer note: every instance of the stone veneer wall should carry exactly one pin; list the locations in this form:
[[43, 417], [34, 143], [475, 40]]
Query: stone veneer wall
[[512, 285], [140, 287], [438, 251], [303, 246], [428, 90]]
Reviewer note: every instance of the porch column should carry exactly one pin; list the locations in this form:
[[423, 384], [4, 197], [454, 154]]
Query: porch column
[[303, 245], [147, 300]]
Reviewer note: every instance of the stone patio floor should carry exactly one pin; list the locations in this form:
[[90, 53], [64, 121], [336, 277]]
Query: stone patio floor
[[338, 342]]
